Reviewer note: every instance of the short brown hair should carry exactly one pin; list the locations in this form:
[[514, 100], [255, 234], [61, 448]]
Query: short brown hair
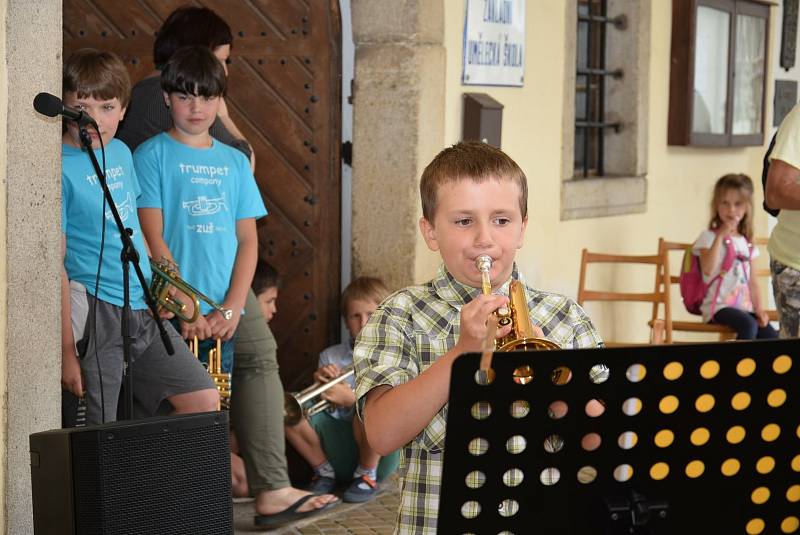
[[194, 70], [97, 74], [364, 289], [470, 160], [264, 278]]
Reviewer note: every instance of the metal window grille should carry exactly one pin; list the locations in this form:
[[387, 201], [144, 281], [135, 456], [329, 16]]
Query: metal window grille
[[590, 82]]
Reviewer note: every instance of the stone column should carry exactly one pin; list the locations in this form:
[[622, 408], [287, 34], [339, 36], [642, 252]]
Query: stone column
[[30, 247], [398, 126]]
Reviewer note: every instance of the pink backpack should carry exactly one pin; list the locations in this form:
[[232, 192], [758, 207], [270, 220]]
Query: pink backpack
[[693, 289]]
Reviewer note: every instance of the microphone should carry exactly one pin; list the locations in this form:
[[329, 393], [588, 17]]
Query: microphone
[[51, 105]]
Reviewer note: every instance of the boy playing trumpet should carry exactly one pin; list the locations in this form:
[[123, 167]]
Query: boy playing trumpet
[[474, 202]]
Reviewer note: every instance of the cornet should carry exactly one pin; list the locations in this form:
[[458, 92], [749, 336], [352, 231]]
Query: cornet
[[309, 402], [521, 337], [221, 379], [165, 274]]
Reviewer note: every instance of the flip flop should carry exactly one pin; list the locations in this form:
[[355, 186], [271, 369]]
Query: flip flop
[[291, 513]]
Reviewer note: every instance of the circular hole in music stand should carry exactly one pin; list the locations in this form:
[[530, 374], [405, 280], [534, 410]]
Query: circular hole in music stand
[[636, 373], [709, 369], [557, 410], [695, 469], [776, 398], [782, 364], [481, 410], [478, 446], [599, 374], [664, 438], [704, 403], [740, 401], [623, 473], [765, 465], [793, 494], [735, 434], [516, 444], [746, 367], [760, 495], [475, 479], [513, 477], [550, 476], [508, 508], [523, 374], [591, 441], [594, 408], [700, 436], [587, 474], [484, 377], [520, 408], [770, 432], [754, 526], [659, 471], [553, 443], [627, 440], [470, 509], [673, 371], [668, 404], [790, 524], [730, 467], [561, 375], [796, 463], [632, 406]]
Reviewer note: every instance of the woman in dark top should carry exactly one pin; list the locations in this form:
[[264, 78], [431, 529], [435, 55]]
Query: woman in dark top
[[257, 402]]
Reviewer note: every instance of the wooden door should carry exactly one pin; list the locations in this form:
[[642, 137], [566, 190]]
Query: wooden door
[[284, 93]]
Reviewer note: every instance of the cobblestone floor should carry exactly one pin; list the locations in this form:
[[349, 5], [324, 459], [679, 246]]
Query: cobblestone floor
[[376, 516]]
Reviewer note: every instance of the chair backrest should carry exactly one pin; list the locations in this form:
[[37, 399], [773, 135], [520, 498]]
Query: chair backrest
[[762, 272], [661, 331], [668, 280]]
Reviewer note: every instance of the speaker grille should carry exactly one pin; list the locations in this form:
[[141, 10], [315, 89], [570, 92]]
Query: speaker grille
[[167, 476]]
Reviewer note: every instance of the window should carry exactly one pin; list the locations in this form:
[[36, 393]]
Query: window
[[590, 86], [718, 75], [606, 77]]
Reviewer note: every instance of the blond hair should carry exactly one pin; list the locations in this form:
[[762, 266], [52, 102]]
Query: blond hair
[[742, 184], [471, 160], [364, 289]]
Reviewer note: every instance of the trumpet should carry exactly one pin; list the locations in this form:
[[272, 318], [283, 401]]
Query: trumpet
[[516, 314], [221, 379], [309, 402], [165, 274]]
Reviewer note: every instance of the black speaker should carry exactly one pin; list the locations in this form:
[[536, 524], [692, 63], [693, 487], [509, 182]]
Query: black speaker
[[168, 475]]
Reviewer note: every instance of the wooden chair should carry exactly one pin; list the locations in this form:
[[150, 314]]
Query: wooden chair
[[697, 326], [763, 273], [661, 330]]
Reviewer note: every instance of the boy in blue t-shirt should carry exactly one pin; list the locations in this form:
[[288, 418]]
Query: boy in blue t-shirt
[[91, 280], [199, 198]]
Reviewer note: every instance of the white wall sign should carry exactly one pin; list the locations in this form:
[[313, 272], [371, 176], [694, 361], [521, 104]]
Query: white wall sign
[[494, 43]]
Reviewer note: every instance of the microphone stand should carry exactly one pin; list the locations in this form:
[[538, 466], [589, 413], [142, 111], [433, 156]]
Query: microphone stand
[[128, 256]]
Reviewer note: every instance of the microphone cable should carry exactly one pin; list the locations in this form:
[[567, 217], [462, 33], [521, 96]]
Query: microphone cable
[[97, 279]]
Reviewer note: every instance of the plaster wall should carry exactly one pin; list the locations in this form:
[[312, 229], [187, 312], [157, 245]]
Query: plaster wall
[[30, 246], [398, 123]]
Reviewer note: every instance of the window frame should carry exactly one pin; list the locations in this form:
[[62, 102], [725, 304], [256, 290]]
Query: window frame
[[683, 54]]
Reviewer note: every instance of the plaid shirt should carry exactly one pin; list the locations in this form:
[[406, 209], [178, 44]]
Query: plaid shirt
[[409, 331]]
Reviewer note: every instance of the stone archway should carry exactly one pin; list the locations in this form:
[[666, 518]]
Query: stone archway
[[398, 126]]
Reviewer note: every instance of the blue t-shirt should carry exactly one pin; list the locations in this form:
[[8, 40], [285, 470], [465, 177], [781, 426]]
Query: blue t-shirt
[[202, 193], [81, 210]]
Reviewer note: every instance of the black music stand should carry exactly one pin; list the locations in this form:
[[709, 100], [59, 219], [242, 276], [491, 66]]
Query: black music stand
[[693, 439]]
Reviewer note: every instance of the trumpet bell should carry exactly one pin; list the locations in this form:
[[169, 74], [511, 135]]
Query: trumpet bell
[[528, 344], [309, 402]]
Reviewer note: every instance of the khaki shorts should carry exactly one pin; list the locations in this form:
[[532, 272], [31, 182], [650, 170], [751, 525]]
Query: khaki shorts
[[157, 376]]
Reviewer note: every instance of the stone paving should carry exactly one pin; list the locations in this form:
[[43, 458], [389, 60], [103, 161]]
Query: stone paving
[[374, 517]]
